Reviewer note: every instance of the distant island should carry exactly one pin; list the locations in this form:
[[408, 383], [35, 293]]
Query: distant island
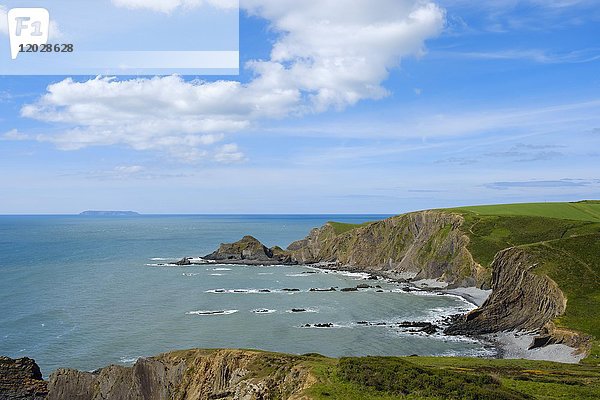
[[90, 213]]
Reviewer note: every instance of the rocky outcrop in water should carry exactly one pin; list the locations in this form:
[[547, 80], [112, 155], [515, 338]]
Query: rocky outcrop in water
[[21, 379], [250, 251]]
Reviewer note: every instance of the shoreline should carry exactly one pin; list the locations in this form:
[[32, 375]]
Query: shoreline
[[508, 345]]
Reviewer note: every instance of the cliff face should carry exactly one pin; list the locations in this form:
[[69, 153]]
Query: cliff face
[[520, 300], [421, 245], [193, 374], [21, 379]]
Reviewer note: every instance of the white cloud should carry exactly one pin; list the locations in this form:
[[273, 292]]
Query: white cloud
[[129, 169], [327, 55], [168, 6], [229, 153], [14, 135]]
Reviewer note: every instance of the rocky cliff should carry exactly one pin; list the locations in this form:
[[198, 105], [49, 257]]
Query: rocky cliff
[[181, 375], [421, 245], [21, 379], [520, 299]]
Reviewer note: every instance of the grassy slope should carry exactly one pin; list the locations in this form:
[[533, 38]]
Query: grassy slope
[[566, 236], [450, 378], [341, 227], [574, 264]]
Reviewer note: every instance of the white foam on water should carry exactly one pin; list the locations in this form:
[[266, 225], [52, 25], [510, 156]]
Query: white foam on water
[[161, 265], [221, 269], [265, 273], [190, 273], [244, 291], [297, 275], [211, 313], [128, 360], [216, 274], [264, 311], [357, 275]]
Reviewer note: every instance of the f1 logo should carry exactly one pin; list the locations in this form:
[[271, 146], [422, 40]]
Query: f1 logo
[[27, 26]]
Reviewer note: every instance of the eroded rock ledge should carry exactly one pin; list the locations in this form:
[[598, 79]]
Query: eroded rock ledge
[[521, 300], [180, 375]]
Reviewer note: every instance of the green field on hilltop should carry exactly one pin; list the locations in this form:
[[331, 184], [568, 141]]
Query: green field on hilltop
[[580, 211], [489, 234], [450, 378]]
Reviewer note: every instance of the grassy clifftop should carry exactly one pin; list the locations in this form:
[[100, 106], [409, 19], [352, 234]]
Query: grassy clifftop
[[562, 238], [450, 378], [227, 374], [587, 210]]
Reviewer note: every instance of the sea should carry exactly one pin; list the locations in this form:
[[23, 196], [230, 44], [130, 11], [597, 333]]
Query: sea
[[85, 292]]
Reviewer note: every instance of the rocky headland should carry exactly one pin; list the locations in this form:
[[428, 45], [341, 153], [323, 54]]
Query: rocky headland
[[442, 250]]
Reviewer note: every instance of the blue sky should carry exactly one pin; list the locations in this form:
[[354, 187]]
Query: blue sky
[[427, 104], [120, 32]]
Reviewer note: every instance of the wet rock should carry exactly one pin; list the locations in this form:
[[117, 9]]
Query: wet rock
[[184, 261], [331, 289], [349, 289]]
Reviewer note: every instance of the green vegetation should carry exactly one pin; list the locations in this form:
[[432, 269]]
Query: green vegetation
[[580, 211], [451, 378], [340, 227], [574, 264], [565, 237], [491, 233]]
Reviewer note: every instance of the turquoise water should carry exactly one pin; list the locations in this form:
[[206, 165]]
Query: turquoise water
[[85, 292]]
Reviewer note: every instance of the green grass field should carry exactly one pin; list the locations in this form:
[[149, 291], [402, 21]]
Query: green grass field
[[450, 378], [580, 211]]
